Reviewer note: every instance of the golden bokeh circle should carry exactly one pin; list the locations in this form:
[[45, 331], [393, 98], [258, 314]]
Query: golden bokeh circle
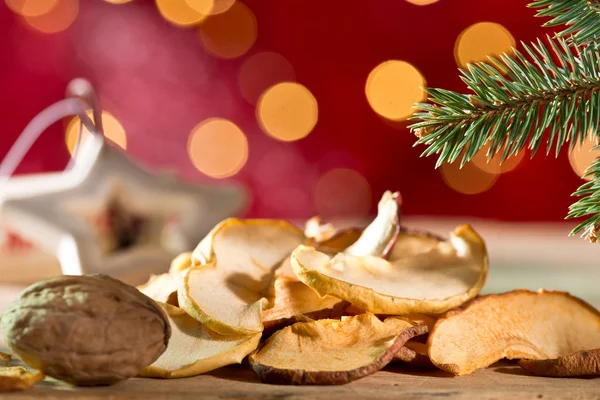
[[422, 2], [261, 71], [31, 8], [583, 156], [342, 192], [203, 7], [287, 111], [218, 148], [480, 159], [57, 19], [229, 34], [481, 40], [468, 179], [118, 1], [113, 130], [393, 87], [180, 13], [220, 6]]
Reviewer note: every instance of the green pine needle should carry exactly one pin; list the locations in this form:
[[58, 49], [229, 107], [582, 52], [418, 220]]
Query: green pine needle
[[589, 204], [553, 86], [581, 17]]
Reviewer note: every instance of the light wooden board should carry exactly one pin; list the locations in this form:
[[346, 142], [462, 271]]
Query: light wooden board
[[503, 381]]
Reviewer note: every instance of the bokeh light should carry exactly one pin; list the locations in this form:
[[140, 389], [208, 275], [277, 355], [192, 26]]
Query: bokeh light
[[31, 8], [218, 148], [229, 34], [287, 111], [220, 6], [118, 1], [393, 87], [261, 71], [494, 166], [422, 2], [179, 12], [342, 192], [203, 7], [481, 40], [56, 19], [468, 179], [113, 130], [583, 156]]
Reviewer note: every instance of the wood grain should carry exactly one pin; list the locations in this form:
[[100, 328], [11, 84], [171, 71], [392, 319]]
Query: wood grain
[[502, 381]]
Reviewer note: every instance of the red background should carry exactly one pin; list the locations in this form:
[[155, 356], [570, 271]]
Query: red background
[[159, 82]]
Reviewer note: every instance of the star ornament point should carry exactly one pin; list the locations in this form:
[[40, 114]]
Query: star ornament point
[[110, 215]]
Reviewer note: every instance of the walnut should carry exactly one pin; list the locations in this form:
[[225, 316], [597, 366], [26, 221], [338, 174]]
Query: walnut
[[86, 330]]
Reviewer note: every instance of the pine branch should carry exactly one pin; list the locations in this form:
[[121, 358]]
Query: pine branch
[[582, 18], [512, 110], [589, 204]]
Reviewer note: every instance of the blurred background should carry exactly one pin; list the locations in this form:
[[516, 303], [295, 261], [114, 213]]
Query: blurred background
[[303, 101]]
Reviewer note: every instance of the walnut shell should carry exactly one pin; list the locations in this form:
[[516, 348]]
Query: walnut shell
[[86, 330]]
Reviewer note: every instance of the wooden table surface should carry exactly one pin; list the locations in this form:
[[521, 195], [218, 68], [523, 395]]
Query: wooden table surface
[[503, 380]]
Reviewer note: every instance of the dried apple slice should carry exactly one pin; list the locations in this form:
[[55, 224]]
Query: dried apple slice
[[293, 299], [352, 311], [181, 263], [14, 379], [379, 237], [163, 287], [377, 240], [340, 241], [414, 353], [580, 363], [234, 268], [336, 244], [328, 238], [421, 319], [430, 283], [316, 230], [518, 324], [194, 349], [410, 243], [329, 352]]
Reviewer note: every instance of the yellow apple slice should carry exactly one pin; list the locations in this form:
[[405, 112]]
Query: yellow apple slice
[[181, 263], [194, 349], [430, 283], [293, 299], [13, 379], [328, 238], [518, 324], [234, 268], [316, 230], [340, 241], [329, 352], [164, 287], [411, 243], [379, 237]]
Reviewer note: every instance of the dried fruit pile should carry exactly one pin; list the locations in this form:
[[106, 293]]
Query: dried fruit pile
[[323, 306]]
